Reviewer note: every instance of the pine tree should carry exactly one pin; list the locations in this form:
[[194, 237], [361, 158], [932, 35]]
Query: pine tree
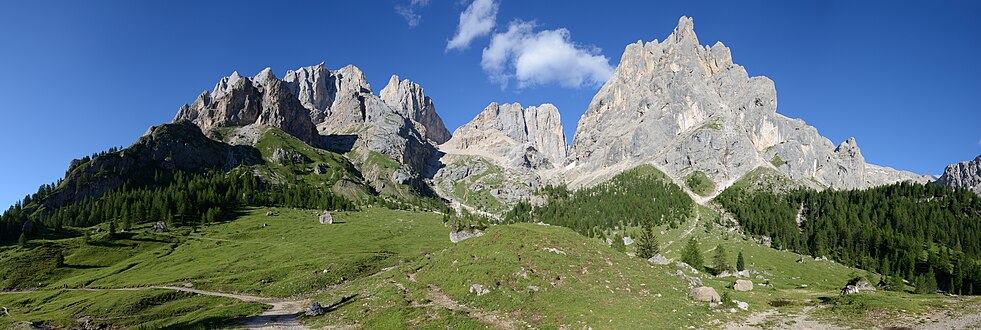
[[617, 243], [721, 264], [692, 256], [22, 241], [740, 262], [112, 228], [647, 243]]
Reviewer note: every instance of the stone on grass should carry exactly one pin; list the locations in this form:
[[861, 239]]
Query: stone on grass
[[160, 227], [743, 285], [315, 309], [326, 218], [705, 293]]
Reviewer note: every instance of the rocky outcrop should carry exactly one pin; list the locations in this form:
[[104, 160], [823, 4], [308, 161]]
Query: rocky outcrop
[[963, 175], [512, 135], [403, 125], [408, 99], [242, 101], [688, 108], [178, 146]]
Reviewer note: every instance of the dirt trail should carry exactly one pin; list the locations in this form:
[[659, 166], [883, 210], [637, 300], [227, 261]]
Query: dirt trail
[[438, 298], [284, 313]]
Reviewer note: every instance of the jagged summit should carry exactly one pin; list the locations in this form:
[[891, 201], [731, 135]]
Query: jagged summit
[[511, 134], [238, 101], [963, 175], [408, 98], [688, 108]]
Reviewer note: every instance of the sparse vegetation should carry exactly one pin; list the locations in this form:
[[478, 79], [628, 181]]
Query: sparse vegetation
[[700, 183]]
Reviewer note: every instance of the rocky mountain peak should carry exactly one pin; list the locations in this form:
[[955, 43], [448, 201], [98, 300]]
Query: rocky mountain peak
[[687, 108], [408, 99], [963, 175], [684, 33], [240, 101], [513, 135]]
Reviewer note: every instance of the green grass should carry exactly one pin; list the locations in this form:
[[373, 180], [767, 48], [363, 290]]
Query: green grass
[[777, 161], [270, 256], [700, 183], [586, 284], [147, 309], [338, 167]]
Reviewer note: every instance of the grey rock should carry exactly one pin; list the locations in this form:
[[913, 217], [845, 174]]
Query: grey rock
[[743, 285], [160, 227], [283, 156], [320, 169], [658, 259], [705, 293], [686, 107], [459, 236], [408, 99], [314, 309], [242, 101], [525, 137], [326, 218], [963, 175]]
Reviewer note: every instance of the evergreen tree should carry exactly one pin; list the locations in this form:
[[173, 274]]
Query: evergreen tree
[[22, 241], [647, 243], [691, 255], [740, 262], [112, 228], [720, 260], [894, 283], [617, 243]]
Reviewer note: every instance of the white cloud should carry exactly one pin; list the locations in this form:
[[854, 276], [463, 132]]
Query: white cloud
[[539, 58], [410, 11], [475, 21]]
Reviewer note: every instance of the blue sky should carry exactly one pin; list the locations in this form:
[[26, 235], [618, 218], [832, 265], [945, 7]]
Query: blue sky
[[80, 77]]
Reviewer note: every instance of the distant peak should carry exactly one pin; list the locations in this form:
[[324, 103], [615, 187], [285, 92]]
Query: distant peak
[[685, 31], [264, 76]]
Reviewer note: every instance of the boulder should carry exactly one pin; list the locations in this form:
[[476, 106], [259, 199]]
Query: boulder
[[160, 227], [743, 285], [705, 293], [326, 218], [314, 309], [857, 285], [459, 236], [320, 169], [658, 259], [269, 213], [478, 289]]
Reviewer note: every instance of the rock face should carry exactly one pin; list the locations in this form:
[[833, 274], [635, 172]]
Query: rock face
[[242, 101], [963, 175], [502, 152], [515, 136], [688, 108], [408, 99], [401, 124]]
